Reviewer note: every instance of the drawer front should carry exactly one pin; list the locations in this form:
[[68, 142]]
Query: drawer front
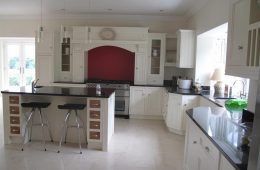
[[14, 110], [94, 125], [14, 120], [15, 130], [94, 135], [14, 99], [94, 114], [94, 103]]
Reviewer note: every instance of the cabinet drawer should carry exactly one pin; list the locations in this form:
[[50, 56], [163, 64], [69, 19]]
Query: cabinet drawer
[[15, 130], [94, 114], [94, 135], [94, 103], [14, 99], [14, 120], [94, 125], [14, 110]]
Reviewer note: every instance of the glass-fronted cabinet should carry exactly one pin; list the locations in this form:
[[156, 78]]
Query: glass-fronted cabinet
[[156, 56], [171, 51], [65, 54]]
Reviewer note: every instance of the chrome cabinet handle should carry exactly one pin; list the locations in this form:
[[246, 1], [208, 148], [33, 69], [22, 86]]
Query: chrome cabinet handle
[[240, 47], [207, 149]]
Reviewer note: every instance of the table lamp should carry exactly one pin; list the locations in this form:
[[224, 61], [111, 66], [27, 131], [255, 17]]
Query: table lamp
[[218, 76]]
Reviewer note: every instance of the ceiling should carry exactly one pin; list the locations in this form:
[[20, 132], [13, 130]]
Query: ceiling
[[83, 7]]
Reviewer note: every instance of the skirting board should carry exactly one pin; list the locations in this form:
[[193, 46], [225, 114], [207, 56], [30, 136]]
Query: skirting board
[[178, 132]]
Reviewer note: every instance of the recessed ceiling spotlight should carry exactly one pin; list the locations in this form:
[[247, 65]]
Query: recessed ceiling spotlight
[[109, 9]]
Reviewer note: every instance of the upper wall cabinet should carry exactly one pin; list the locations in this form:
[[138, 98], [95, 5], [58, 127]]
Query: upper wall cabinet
[[185, 49], [156, 56], [170, 50], [243, 39]]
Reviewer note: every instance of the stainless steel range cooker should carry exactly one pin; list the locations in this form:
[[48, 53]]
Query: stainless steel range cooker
[[122, 94]]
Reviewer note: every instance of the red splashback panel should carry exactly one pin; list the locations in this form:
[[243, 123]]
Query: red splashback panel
[[111, 63]]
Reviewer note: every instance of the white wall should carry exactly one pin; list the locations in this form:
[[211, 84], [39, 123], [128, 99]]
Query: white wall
[[213, 14], [25, 27]]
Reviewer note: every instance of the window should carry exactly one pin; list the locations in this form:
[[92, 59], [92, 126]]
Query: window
[[19, 61]]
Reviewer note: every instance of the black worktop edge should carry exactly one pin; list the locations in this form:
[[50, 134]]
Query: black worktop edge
[[237, 166], [51, 94]]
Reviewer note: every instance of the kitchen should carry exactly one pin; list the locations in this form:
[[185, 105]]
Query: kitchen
[[205, 19]]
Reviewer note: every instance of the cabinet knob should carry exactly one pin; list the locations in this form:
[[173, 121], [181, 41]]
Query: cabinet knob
[[240, 47], [207, 149], [194, 142]]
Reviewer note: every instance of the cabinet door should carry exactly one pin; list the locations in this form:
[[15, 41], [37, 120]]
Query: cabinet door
[[156, 56], [78, 70], [193, 159], [174, 113], [140, 68], [170, 50], [185, 48], [188, 102], [238, 33], [153, 100], [45, 46], [44, 71], [137, 100], [224, 164]]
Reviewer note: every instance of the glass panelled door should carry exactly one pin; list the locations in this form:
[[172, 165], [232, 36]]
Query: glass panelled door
[[19, 63]]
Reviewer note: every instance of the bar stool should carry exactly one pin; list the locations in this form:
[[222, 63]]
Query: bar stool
[[43, 120], [72, 107]]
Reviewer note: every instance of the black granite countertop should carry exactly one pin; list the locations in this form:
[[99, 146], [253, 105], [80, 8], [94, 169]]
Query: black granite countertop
[[224, 131], [62, 91]]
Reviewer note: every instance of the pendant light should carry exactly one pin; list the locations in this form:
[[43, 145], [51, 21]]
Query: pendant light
[[40, 28], [63, 30]]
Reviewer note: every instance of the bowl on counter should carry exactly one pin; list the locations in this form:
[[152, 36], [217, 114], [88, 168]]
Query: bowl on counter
[[184, 83]]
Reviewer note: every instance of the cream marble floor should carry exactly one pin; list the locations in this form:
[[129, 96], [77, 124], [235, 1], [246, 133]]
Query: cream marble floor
[[136, 145]]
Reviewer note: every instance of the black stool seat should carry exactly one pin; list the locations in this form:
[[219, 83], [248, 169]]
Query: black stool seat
[[70, 106], [36, 104]]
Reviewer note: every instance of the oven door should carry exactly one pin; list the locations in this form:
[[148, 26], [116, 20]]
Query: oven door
[[122, 105]]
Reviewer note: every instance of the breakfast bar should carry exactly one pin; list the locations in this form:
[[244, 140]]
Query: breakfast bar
[[98, 115]]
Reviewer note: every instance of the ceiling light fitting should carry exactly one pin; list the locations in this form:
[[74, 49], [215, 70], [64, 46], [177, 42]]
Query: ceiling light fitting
[[63, 30]]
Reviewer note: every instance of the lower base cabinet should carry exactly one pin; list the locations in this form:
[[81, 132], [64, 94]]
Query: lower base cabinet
[[176, 108], [201, 153], [146, 102]]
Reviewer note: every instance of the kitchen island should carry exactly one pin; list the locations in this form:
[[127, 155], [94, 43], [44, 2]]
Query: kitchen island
[[98, 114]]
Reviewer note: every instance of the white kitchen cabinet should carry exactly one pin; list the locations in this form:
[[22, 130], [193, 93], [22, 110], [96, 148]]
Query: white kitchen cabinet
[[80, 34], [165, 97], [78, 68], [44, 58], [44, 69], [170, 51], [206, 102], [145, 102], [140, 69], [243, 42], [177, 106], [185, 49], [156, 57], [224, 164], [200, 153]]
